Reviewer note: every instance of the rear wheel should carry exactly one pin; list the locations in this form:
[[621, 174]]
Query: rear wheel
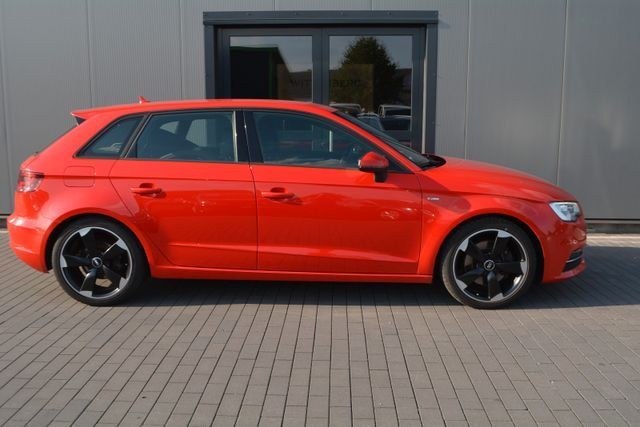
[[488, 263], [98, 262]]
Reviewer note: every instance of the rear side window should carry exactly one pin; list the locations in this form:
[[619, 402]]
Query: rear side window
[[110, 143], [196, 136]]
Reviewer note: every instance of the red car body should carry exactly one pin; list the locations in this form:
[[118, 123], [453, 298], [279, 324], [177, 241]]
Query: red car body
[[230, 220]]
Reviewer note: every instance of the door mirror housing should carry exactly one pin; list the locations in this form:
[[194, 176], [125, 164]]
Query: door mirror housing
[[376, 164]]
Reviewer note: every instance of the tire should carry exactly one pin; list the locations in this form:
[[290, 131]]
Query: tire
[[99, 262], [488, 263]]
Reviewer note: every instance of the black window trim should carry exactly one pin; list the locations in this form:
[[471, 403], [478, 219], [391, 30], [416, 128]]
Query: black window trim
[[238, 127], [256, 153], [79, 154]]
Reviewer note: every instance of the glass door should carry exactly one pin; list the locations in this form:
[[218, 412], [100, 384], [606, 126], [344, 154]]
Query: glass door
[[375, 74]]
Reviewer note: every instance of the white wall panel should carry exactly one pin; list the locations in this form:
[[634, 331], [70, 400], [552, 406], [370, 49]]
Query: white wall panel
[[5, 172], [135, 50], [515, 83], [45, 72], [600, 146]]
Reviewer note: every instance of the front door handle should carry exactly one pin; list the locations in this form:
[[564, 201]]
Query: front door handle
[[146, 189], [277, 193]]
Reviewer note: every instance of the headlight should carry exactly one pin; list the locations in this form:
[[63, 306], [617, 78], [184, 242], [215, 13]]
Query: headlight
[[566, 211]]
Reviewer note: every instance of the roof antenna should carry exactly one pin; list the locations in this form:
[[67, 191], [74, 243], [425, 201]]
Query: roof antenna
[[142, 100]]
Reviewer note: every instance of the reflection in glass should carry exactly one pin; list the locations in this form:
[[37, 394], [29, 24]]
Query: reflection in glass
[[271, 67], [370, 78], [291, 139]]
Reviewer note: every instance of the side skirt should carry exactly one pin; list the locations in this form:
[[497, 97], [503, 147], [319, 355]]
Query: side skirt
[[173, 272]]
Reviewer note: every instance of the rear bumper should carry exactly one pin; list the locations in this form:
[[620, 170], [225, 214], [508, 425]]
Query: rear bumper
[[564, 251], [27, 239]]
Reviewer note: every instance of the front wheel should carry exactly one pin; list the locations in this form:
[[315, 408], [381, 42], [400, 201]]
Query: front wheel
[[98, 262], [488, 263]]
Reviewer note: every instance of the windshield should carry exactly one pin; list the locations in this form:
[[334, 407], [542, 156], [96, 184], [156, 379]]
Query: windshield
[[412, 155]]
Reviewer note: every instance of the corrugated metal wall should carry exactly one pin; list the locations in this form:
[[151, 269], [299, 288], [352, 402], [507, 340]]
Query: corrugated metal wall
[[546, 86], [600, 136], [516, 56]]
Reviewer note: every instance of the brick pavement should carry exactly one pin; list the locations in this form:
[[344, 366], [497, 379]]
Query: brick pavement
[[317, 354]]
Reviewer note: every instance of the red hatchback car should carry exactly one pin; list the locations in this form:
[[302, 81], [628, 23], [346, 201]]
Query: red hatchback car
[[275, 190]]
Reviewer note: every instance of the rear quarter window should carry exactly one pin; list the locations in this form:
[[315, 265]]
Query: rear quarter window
[[110, 142]]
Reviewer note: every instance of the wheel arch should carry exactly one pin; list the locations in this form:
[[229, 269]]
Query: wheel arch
[[525, 226], [59, 228]]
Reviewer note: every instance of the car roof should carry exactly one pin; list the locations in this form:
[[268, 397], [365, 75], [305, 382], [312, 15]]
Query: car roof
[[145, 106]]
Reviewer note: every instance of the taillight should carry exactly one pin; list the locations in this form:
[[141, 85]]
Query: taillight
[[29, 181]]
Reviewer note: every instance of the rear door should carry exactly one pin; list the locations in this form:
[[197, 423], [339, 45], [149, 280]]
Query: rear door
[[188, 184]]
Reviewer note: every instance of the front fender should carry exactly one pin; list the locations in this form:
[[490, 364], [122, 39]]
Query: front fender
[[443, 213]]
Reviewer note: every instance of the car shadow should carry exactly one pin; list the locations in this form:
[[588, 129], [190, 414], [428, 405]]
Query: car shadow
[[610, 279]]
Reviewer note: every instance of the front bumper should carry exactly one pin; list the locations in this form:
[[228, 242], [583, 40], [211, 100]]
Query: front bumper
[[564, 251]]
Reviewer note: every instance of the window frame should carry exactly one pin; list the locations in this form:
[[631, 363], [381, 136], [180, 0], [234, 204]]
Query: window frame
[[255, 152], [238, 126]]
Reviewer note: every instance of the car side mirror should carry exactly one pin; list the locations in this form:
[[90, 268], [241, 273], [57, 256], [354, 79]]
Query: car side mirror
[[376, 164]]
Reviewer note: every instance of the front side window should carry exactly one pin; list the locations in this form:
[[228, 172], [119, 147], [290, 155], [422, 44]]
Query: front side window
[[193, 136], [416, 158], [110, 143], [299, 140]]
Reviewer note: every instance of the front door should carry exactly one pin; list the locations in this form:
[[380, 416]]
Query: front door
[[317, 212], [188, 184]]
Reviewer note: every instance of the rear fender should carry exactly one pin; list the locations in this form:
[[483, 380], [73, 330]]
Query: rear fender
[[105, 203]]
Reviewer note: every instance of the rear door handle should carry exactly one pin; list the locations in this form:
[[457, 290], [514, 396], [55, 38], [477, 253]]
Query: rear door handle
[[277, 193], [146, 189]]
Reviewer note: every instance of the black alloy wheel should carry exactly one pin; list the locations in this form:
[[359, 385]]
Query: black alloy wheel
[[98, 262], [488, 263]]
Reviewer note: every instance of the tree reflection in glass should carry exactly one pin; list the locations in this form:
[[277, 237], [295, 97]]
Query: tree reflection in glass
[[371, 76]]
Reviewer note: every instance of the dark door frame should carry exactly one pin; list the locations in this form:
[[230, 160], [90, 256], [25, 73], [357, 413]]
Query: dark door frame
[[424, 20]]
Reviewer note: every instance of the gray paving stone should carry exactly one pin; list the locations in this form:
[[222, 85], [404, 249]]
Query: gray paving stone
[[310, 354], [203, 415]]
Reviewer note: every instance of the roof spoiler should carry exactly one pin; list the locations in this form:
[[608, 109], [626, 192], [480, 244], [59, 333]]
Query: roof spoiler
[[82, 115]]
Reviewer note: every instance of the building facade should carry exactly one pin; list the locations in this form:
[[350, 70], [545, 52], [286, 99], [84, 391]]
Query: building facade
[[545, 86]]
